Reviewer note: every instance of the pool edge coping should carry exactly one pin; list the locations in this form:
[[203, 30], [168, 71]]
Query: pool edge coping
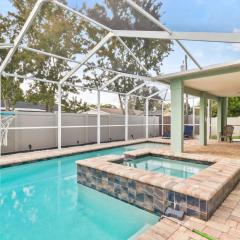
[[44, 155]]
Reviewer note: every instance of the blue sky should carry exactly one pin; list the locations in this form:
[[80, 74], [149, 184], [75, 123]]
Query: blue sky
[[5, 5], [191, 15], [202, 15]]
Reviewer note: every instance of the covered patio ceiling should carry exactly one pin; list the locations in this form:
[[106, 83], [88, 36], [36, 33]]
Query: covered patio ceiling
[[223, 85], [216, 80]]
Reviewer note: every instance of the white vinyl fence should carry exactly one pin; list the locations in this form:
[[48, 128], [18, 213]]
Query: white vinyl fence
[[38, 130]]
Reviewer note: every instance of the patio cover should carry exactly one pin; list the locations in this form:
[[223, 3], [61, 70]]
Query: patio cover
[[216, 80]]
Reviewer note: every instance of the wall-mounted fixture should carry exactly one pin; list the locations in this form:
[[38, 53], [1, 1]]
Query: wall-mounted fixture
[[30, 147]]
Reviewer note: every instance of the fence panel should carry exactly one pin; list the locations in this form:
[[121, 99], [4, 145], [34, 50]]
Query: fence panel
[[79, 129]]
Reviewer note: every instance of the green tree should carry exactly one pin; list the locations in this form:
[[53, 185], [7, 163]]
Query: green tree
[[11, 91], [75, 106], [214, 108], [234, 107], [58, 31], [150, 52], [54, 30]]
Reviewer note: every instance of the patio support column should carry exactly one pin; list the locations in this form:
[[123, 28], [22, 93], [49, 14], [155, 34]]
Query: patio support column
[[98, 118], [225, 111], [177, 118], [194, 117], [221, 114], [147, 117], [126, 117], [0, 112], [162, 112], [59, 116], [203, 119]]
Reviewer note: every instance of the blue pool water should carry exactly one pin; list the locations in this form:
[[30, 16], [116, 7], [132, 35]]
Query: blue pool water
[[42, 201], [175, 168]]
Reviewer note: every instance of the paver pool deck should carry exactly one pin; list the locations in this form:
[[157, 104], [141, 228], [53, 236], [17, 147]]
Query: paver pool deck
[[223, 225], [225, 222]]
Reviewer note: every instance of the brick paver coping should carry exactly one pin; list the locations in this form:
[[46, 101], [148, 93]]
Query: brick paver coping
[[28, 157]]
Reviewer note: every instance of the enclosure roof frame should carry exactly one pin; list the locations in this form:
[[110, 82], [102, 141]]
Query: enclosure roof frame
[[166, 34]]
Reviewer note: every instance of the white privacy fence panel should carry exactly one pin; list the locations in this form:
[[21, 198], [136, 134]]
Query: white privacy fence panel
[[73, 135], [39, 130], [26, 135], [116, 131]]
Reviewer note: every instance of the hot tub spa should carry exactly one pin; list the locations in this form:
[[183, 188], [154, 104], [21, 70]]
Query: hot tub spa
[[171, 167], [154, 179]]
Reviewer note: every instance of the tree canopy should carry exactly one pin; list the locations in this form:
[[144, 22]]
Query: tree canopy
[[54, 30], [150, 52], [63, 33]]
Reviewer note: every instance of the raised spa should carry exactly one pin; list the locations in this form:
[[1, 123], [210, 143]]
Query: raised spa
[[170, 167]]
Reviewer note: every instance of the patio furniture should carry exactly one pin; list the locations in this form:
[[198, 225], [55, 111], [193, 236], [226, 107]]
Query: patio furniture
[[188, 132], [167, 135], [227, 133]]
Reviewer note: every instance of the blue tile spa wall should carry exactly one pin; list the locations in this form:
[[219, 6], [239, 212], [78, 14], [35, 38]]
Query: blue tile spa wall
[[151, 198]]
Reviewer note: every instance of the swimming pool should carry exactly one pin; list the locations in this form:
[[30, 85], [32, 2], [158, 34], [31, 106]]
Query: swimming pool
[[171, 167], [42, 200]]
